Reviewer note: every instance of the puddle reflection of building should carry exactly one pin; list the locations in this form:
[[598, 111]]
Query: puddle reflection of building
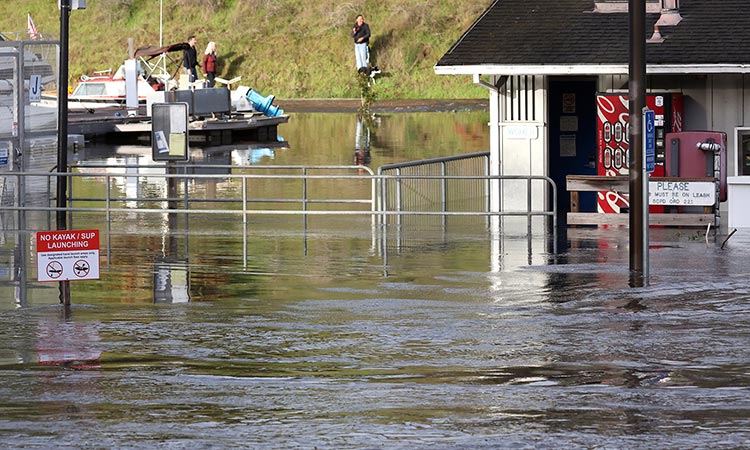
[[171, 280], [362, 144], [171, 270], [69, 343]]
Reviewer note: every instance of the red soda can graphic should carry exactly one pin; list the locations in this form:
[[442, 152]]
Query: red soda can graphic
[[607, 131]]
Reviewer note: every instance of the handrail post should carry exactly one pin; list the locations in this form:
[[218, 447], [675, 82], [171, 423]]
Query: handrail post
[[244, 221], [383, 200], [69, 187], [398, 196], [108, 200], [108, 206], [528, 207], [373, 200], [304, 198], [487, 185], [554, 215], [443, 193], [304, 189], [185, 187]]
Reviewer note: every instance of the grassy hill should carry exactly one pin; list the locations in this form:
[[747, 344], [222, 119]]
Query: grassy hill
[[291, 48]]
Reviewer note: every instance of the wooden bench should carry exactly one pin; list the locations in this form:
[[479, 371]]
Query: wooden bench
[[621, 184]]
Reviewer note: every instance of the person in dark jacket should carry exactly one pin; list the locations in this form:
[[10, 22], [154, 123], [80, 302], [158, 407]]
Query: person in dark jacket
[[361, 36], [209, 63], [190, 60]]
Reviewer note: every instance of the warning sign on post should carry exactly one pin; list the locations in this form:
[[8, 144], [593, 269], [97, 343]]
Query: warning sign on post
[[67, 255]]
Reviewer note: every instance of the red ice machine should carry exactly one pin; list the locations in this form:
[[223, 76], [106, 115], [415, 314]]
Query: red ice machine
[[697, 154]]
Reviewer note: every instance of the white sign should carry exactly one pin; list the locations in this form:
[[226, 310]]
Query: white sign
[[67, 255], [682, 193], [527, 132], [35, 88]]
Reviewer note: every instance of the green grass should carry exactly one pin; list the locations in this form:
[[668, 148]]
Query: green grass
[[290, 48]]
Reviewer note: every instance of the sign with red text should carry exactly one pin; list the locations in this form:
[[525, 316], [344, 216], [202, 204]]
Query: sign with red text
[[67, 255]]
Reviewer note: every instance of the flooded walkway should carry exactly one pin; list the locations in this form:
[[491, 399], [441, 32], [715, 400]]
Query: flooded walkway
[[453, 345], [338, 333]]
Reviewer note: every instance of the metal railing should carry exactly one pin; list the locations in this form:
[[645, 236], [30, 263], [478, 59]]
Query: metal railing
[[454, 183], [180, 181], [282, 190]]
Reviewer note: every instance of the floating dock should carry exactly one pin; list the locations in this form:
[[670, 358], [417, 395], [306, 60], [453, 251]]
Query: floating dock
[[116, 126]]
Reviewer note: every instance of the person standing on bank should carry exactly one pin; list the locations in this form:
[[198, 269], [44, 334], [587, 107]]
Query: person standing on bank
[[190, 60], [209, 63], [361, 35]]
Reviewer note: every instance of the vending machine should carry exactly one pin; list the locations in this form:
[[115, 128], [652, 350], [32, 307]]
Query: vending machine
[[612, 141]]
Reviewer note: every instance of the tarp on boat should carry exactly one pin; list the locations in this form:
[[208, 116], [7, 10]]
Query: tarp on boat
[[149, 52]]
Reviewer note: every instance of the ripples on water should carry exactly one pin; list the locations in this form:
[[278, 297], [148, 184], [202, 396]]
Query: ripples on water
[[329, 337], [300, 350]]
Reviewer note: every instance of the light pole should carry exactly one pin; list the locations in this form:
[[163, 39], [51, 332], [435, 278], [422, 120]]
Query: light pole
[[62, 136]]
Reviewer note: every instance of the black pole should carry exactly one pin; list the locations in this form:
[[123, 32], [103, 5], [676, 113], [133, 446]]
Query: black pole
[[637, 101], [62, 136]]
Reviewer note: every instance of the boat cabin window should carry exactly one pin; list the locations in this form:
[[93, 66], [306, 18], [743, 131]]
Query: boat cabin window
[[91, 89]]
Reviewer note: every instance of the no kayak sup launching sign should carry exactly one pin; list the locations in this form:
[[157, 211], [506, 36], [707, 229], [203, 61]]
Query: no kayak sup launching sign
[[67, 255]]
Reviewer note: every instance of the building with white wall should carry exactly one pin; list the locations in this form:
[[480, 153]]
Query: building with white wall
[[543, 63]]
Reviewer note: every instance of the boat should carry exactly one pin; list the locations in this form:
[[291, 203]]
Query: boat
[[105, 89]]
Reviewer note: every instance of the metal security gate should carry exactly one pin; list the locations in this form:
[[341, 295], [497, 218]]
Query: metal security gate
[[9, 134], [28, 141]]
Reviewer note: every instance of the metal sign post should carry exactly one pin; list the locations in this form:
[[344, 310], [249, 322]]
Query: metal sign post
[[649, 139], [649, 146]]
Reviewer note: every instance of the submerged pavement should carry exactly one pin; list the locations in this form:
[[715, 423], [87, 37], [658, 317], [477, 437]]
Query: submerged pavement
[[460, 341]]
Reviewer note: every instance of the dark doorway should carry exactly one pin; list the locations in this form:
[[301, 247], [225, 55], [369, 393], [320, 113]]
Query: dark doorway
[[572, 136]]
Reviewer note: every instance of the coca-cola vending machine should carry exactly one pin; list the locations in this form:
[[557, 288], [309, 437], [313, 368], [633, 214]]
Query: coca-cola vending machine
[[613, 146]]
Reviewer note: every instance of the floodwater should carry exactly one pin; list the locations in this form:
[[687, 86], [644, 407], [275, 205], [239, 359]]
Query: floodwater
[[324, 338]]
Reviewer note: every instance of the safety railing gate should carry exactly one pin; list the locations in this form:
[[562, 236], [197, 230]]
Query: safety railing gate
[[121, 191], [454, 191]]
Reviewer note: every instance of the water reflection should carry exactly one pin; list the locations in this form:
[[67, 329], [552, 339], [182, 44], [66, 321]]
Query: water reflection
[[362, 143], [296, 338], [69, 343], [171, 268], [171, 280]]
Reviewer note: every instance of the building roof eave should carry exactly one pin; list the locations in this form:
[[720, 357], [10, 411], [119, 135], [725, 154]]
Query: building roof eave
[[542, 69], [588, 69]]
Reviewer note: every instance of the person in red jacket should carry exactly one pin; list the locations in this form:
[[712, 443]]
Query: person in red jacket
[[209, 63]]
